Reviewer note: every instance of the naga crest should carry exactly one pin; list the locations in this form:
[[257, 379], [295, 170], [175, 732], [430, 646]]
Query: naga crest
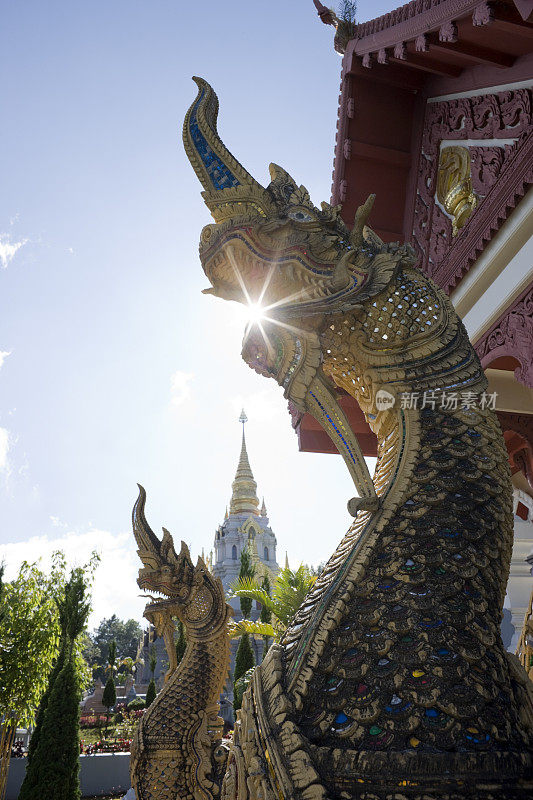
[[272, 249]]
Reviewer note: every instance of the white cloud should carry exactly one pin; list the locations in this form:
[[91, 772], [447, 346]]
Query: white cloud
[[4, 448], [180, 388], [114, 590], [57, 523], [3, 355], [9, 249]]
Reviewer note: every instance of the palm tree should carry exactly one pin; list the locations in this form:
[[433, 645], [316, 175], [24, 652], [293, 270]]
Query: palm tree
[[287, 595]]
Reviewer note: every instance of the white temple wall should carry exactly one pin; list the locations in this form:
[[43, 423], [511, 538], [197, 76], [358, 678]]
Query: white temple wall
[[520, 579]]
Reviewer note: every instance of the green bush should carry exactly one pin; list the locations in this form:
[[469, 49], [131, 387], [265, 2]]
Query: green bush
[[136, 704], [150, 694]]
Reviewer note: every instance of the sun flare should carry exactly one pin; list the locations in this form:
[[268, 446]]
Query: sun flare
[[254, 313]]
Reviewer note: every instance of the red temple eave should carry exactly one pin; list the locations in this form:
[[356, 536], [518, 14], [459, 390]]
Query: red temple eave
[[397, 72], [313, 439]]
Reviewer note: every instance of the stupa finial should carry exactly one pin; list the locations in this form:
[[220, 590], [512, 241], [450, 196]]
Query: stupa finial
[[244, 497]]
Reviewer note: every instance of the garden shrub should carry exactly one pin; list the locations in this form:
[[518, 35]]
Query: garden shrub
[[136, 705]]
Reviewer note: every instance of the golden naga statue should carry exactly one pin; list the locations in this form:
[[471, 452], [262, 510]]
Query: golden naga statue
[[392, 682], [176, 751]]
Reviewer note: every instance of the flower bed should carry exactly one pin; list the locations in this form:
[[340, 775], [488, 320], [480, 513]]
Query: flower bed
[[106, 746], [93, 720]]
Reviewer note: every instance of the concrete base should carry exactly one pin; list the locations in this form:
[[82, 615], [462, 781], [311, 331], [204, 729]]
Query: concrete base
[[105, 773]]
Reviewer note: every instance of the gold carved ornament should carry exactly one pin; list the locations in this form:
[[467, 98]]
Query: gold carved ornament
[[454, 185]]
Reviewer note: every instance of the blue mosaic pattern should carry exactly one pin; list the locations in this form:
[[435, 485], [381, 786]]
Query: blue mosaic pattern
[[219, 174], [322, 603], [337, 431]]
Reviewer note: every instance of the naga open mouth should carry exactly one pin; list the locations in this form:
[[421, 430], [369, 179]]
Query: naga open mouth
[[284, 281], [158, 603]]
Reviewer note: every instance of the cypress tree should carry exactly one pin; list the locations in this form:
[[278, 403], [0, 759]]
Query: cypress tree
[[247, 570], [244, 661], [266, 614], [64, 603], [56, 669], [153, 660], [53, 771], [181, 641], [3, 609], [109, 697], [151, 693]]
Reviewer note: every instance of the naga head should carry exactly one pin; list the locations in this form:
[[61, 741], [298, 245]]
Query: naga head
[[294, 264], [182, 589], [269, 247]]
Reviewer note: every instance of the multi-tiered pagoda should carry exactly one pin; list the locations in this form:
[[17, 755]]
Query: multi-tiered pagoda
[[246, 526]]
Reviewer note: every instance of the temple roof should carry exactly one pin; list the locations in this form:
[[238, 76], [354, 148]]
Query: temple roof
[[415, 20], [430, 72]]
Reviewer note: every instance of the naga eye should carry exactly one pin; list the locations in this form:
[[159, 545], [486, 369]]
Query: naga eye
[[300, 216]]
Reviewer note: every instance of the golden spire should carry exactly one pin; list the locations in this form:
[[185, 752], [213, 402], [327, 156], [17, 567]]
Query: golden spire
[[286, 561], [263, 509], [244, 497]]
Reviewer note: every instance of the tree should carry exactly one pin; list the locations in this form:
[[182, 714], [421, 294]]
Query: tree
[[246, 572], [29, 640], [265, 617], [52, 771], [3, 609], [244, 662], [347, 11], [151, 692], [153, 660], [39, 719], [288, 593], [240, 686], [125, 633], [181, 641], [91, 653], [109, 697]]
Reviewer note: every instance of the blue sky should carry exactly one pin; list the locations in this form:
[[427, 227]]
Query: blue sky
[[114, 367]]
